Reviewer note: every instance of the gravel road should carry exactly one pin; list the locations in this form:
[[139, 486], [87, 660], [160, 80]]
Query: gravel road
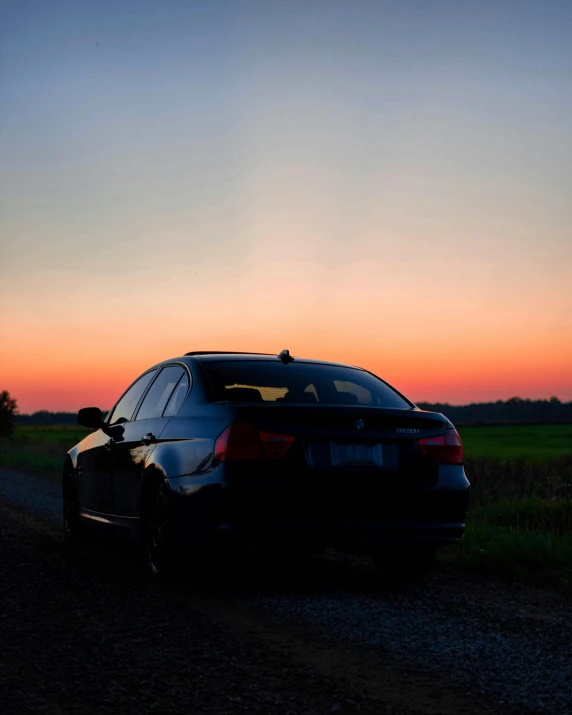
[[85, 632]]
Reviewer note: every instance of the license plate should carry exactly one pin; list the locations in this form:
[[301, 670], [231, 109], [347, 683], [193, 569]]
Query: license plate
[[355, 454]]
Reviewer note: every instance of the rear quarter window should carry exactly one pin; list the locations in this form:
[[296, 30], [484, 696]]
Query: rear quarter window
[[160, 393]]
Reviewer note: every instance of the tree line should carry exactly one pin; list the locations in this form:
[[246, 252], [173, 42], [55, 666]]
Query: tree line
[[513, 411], [44, 417]]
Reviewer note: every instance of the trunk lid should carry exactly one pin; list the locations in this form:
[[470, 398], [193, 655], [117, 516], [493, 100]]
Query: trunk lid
[[372, 443]]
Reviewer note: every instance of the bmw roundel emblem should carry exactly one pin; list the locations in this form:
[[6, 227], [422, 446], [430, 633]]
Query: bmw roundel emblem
[[359, 425]]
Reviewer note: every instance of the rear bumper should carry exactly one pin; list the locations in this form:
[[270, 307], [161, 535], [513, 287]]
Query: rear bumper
[[358, 521]]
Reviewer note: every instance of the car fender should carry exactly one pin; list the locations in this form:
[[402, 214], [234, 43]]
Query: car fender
[[72, 456], [191, 459], [177, 458]]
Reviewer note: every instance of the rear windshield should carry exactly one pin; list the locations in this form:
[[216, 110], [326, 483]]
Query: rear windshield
[[263, 381]]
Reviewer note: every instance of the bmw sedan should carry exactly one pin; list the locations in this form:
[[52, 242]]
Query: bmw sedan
[[214, 452]]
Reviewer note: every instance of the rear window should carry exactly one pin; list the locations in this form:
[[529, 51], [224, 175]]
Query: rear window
[[263, 381]]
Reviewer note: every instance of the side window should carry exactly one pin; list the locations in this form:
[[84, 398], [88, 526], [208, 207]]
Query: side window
[[125, 408], [179, 394], [159, 393]]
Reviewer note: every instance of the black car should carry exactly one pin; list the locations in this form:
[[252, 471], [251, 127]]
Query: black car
[[214, 450]]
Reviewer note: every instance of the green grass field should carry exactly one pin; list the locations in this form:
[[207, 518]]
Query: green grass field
[[506, 442], [39, 449], [520, 523], [48, 434]]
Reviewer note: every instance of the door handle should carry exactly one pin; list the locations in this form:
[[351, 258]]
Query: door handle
[[148, 438], [109, 444]]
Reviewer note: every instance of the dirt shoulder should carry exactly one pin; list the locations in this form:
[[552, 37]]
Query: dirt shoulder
[[77, 637]]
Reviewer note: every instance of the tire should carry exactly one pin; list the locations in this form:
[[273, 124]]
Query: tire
[[159, 556], [73, 531], [409, 564]]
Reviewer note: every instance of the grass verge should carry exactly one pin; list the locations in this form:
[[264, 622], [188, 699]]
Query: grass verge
[[514, 552], [520, 523]]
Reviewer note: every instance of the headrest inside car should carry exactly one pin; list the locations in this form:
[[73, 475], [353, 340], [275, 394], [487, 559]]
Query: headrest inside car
[[243, 394], [298, 396], [346, 398]]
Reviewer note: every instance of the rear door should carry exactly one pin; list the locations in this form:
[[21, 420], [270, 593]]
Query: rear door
[[141, 435], [95, 461]]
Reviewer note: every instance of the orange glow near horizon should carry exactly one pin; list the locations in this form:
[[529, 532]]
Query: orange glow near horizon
[[439, 337], [442, 370]]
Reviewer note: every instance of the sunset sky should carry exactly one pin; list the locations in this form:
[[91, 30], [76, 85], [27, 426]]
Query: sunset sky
[[387, 184]]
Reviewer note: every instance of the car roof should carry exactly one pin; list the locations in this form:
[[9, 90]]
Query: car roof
[[217, 353], [222, 355]]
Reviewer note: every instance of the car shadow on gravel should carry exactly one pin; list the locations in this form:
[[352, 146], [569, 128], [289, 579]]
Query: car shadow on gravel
[[327, 573], [244, 576]]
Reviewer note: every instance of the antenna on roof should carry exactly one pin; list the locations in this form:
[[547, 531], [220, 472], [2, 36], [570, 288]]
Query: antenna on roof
[[285, 357]]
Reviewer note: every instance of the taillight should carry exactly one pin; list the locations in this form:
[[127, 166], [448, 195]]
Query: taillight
[[275, 445], [242, 441], [238, 441], [446, 448]]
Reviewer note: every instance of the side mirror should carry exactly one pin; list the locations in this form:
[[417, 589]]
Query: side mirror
[[90, 417]]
